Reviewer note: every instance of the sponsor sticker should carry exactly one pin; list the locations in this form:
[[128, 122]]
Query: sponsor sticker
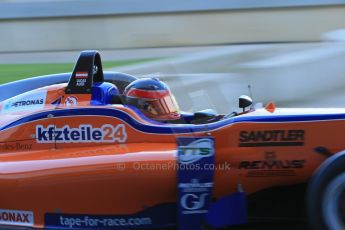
[[85, 133], [81, 74], [14, 217], [57, 101], [96, 221], [262, 138], [81, 78], [194, 186], [71, 101], [11, 146], [195, 151], [26, 101], [195, 196], [271, 166]]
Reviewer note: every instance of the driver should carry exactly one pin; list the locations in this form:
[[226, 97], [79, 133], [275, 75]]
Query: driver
[[154, 98]]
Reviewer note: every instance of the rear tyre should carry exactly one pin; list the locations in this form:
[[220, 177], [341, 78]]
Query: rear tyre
[[326, 195]]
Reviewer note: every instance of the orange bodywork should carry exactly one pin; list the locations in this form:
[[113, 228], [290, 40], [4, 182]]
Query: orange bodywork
[[132, 167]]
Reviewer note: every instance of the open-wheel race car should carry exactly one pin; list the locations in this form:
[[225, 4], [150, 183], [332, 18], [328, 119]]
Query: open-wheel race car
[[75, 155]]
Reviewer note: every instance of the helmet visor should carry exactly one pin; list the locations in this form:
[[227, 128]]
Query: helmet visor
[[156, 104], [164, 108]]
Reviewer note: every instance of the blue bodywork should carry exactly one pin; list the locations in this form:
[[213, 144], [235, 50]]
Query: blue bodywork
[[195, 206], [102, 93]]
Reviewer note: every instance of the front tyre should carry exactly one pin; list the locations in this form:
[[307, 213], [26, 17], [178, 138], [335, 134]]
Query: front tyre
[[326, 195]]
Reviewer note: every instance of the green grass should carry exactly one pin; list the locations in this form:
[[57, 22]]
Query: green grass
[[13, 72]]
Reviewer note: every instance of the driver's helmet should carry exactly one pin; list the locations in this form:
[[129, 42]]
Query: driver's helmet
[[153, 97]]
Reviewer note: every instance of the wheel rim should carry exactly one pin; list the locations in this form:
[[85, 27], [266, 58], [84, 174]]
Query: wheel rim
[[333, 203]]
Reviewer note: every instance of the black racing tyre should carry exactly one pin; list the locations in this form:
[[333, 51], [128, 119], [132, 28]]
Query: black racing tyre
[[325, 201]]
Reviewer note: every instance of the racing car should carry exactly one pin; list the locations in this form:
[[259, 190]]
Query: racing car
[[75, 156]]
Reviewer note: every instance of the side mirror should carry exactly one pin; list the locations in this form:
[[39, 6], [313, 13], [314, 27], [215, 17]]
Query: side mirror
[[244, 101]]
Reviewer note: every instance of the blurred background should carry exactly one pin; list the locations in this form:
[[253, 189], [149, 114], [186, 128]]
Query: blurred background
[[290, 52]]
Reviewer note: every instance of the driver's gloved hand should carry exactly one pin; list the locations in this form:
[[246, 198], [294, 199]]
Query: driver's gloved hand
[[205, 116], [233, 114]]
